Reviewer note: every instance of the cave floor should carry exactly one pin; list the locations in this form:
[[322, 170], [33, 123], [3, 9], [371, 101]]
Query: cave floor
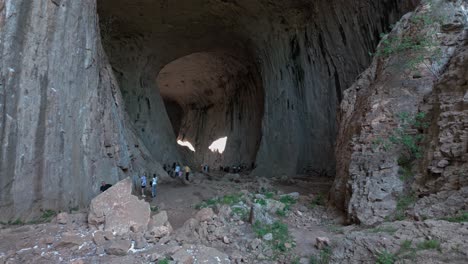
[[53, 243], [306, 222]]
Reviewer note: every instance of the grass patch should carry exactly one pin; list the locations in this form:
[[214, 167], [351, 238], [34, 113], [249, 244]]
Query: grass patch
[[231, 199], [16, 222], [287, 200], [280, 232], [154, 209], [402, 204], [282, 213], [429, 244], [47, 215], [335, 229], [323, 257], [260, 201], [228, 199], [385, 257], [241, 212], [462, 218], [163, 261], [319, 200]]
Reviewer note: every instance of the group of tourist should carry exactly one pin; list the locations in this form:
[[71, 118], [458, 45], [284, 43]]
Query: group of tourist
[[176, 170], [153, 183], [143, 184]]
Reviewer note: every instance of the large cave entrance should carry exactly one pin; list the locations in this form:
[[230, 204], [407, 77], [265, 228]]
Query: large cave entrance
[[266, 75], [213, 95]]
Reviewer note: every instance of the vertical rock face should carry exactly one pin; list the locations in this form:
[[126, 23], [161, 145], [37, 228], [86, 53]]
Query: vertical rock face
[[64, 126], [370, 176]]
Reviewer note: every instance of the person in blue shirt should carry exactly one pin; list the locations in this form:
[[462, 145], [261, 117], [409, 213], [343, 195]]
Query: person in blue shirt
[[143, 184]]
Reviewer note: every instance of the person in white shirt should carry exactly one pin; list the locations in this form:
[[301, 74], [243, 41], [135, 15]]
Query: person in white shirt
[[154, 182]]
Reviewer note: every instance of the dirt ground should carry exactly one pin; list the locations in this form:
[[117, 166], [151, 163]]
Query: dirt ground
[[179, 200]]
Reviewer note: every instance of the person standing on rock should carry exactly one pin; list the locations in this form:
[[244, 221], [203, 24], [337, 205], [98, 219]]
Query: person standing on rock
[[143, 184], [154, 182]]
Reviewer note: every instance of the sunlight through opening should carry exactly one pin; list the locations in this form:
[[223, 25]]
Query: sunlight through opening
[[218, 145], [186, 144]]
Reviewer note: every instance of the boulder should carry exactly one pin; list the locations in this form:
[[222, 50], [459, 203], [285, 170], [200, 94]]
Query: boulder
[[118, 247], [156, 232], [118, 210], [205, 214], [69, 240], [158, 219]]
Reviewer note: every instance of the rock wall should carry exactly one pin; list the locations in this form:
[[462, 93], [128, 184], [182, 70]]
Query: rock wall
[[62, 128], [370, 178]]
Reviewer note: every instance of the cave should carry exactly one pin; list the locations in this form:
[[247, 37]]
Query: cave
[[213, 95], [266, 76]]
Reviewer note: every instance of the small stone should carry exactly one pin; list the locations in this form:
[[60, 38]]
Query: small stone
[[47, 240], [443, 163], [226, 240], [268, 237], [255, 243], [322, 242], [287, 245]]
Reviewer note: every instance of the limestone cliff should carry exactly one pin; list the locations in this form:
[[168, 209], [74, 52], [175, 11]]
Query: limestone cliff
[[419, 71]]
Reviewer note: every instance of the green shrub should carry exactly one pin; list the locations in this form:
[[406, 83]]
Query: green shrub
[[319, 199], [231, 199], [408, 136], [429, 244], [228, 199], [385, 257], [280, 234], [323, 257], [403, 203], [241, 212], [16, 222], [260, 201], [281, 213], [47, 215], [163, 261], [288, 200]]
